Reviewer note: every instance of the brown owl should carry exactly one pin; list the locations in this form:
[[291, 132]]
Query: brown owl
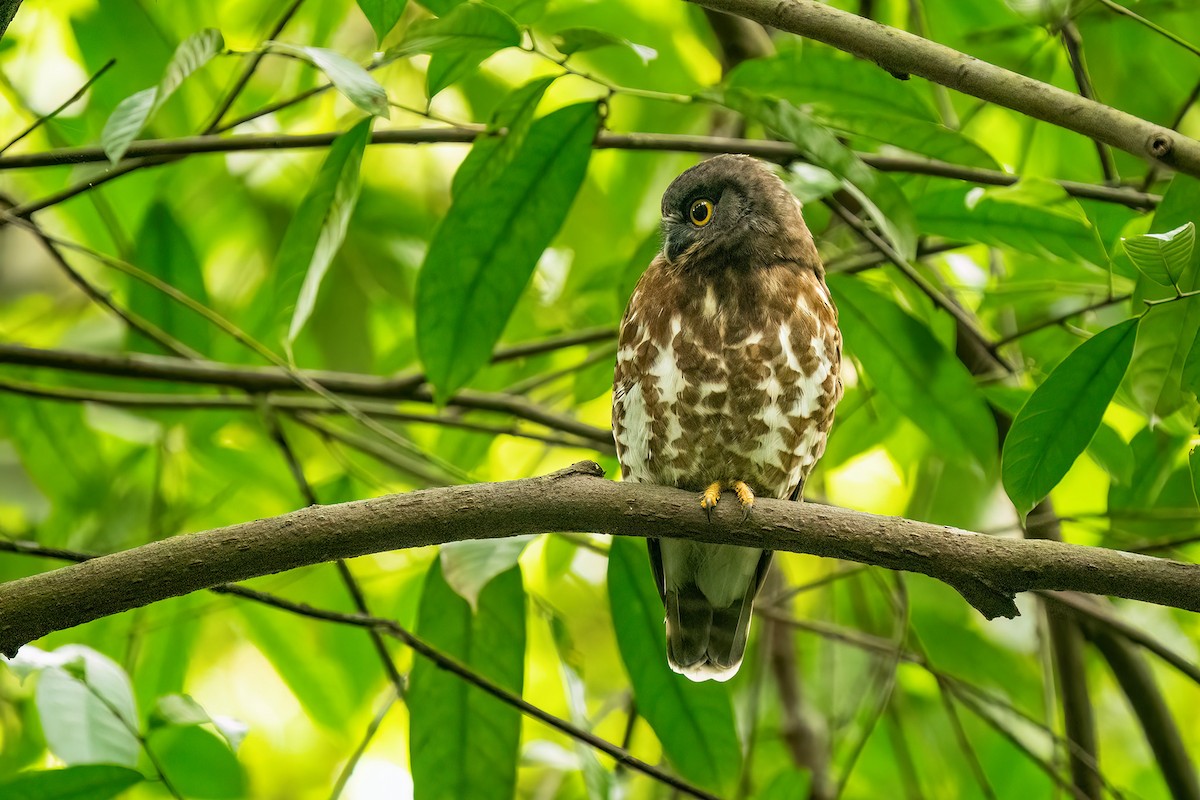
[[726, 380]]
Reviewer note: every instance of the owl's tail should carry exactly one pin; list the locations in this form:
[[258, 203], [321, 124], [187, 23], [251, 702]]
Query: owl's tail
[[708, 591]]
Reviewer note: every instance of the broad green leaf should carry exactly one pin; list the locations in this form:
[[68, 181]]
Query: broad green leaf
[[570, 41], [1163, 257], [446, 69], [879, 196], [831, 82], [462, 741], [164, 249], [1035, 217], [347, 76], [469, 27], [82, 782], [131, 116], [87, 709], [1112, 454], [912, 370], [177, 709], [127, 121], [492, 153], [319, 226], [693, 721], [1061, 417], [198, 763], [1178, 208], [470, 565], [484, 251], [918, 136], [382, 14], [1164, 343]]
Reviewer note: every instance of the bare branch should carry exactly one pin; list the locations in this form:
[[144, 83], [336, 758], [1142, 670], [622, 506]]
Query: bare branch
[[782, 152], [987, 571], [271, 379], [903, 53]]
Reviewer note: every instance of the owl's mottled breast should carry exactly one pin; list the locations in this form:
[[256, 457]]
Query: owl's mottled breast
[[726, 375]]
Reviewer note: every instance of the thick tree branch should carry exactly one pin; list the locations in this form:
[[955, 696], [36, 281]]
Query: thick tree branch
[[987, 571], [903, 53], [782, 152]]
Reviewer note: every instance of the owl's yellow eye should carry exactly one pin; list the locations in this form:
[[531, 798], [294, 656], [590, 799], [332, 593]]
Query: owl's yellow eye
[[701, 213]]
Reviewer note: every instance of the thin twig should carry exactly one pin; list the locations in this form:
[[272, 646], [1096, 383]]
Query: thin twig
[[965, 321], [1073, 43], [224, 402], [275, 430], [780, 152], [1059, 320], [343, 777], [42, 120]]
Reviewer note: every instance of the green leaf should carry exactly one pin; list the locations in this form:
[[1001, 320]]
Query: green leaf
[[319, 226], [1034, 216], [911, 369], [87, 712], [1061, 417], [462, 741], [1164, 346], [469, 27], [1112, 454], [1163, 257], [484, 251], [382, 14], [83, 782], [132, 114], [1178, 207], [693, 721], [570, 41], [198, 763], [879, 196], [831, 82], [491, 154], [347, 76], [470, 565], [127, 121], [164, 249], [918, 136], [446, 69], [177, 709]]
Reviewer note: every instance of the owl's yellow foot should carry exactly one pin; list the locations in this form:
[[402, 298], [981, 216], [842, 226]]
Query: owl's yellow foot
[[745, 496], [709, 498]]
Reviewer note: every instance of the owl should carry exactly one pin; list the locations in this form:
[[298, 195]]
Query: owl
[[726, 380]]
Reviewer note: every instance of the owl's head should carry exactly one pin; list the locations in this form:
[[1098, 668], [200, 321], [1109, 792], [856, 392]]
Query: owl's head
[[732, 212]]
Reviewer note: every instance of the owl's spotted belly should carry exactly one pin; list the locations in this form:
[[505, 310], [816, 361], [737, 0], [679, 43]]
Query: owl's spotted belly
[[697, 407]]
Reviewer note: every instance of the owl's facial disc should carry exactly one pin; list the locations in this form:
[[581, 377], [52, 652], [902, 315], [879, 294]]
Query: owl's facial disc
[[712, 215]]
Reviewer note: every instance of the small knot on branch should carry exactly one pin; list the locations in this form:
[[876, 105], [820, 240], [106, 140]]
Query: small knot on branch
[[588, 469], [1161, 146]]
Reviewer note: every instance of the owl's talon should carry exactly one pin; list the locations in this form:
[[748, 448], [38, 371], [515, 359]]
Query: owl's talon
[[745, 496], [709, 498]]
